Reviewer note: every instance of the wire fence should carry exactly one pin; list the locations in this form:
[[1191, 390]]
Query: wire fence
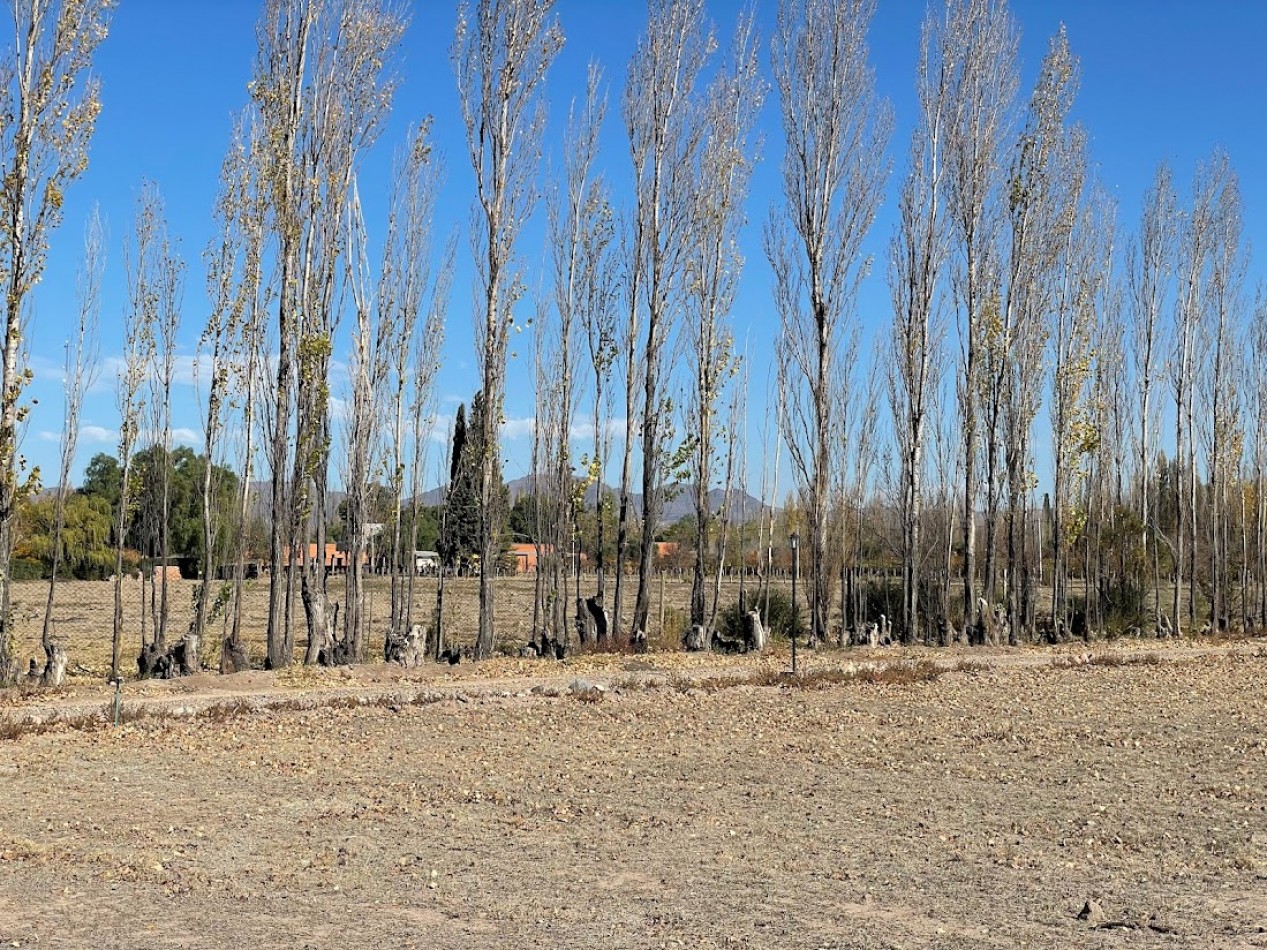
[[83, 611]]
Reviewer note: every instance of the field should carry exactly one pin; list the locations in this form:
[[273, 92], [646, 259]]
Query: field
[[84, 611], [686, 806]]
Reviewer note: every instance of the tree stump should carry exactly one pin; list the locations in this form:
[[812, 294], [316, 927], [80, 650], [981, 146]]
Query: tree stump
[[599, 617], [233, 656], [696, 640], [54, 665], [408, 649], [186, 654], [757, 638]]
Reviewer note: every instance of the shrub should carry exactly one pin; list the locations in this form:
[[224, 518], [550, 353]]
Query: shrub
[[27, 569], [778, 620]]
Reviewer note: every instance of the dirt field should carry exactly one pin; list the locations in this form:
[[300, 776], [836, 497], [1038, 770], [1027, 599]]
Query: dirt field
[[979, 810]]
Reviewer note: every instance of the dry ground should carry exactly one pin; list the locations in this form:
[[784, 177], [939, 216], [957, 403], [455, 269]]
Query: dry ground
[[979, 810]]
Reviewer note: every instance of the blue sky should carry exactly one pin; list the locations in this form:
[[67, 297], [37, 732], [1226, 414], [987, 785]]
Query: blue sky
[[1161, 80]]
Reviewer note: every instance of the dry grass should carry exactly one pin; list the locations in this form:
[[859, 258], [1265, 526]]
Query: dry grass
[[889, 674], [970, 666], [1107, 659], [220, 712]]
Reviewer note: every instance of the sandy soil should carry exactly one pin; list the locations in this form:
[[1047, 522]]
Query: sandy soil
[[980, 810]]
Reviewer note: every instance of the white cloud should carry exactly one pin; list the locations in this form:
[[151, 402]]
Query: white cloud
[[189, 370], [518, 428], [582, 431], [98, 434], [439, 429]]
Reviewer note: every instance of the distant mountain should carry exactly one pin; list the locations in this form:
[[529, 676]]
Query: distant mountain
[[680, 505], [262, 501]]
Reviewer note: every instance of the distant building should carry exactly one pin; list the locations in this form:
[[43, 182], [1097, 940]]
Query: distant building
[[251, 570], [525, 556], [175, 568], [335, 560]]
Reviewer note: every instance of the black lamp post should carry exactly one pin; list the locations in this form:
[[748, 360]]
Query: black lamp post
[[795, 541]]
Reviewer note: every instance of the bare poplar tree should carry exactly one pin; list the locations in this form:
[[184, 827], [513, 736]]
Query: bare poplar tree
[[50, 104], [277, 89], [834, 172], [597, 313], [630, 360], [1048, 174], [547, 509], [983, 86], [349, 99], [1257, 366], [1190, 344], [1076, 323], [714, 265], [664, 126], [501, 53], [405, 281], [917, 254], [580, 229], [372, 333], [81, 372], [231, 341], [164, 280], [247, 353], [322, 97], [220, 337], [156, 288], [1149, 270], [140, 261], [1223, 430]]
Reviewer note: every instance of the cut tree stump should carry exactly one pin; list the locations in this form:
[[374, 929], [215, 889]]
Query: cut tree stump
[[697, 639], [407, 649], [757, 638], [233, 656], [54, 665]]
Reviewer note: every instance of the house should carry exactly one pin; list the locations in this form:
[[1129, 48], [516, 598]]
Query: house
[[665, 553], [175, 568], [525, 556], [335, 560]]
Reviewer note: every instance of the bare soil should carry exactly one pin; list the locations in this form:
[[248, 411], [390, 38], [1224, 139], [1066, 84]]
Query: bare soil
[[458, 808]]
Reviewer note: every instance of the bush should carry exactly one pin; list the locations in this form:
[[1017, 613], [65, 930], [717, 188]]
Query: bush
[[1123, 602], [27, 569], [778, 620], [676, 623]]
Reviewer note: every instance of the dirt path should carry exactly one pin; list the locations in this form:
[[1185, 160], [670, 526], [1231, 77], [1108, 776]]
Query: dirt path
[[86, 699]]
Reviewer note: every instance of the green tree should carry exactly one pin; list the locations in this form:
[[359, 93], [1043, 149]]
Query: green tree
[[460, 538], [102, 478], [102, 482], [86, 550], [525, 518]]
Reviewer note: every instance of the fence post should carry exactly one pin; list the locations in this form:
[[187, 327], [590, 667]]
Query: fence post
[[662, 572]]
